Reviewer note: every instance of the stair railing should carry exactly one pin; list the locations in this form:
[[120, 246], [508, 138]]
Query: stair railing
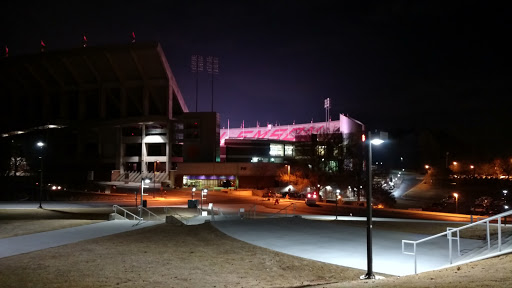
[[449, 232], [151, 214], [285, 209], [126, 212]]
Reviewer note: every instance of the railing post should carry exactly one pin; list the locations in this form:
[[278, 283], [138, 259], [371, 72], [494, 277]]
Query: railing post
[[488, 236], [450, 245], [499, 234], [458, 241], [415, 260]]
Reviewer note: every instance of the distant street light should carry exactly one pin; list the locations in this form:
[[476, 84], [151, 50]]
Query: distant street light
[[369, 261], [456, 202], [338, 196], [40, 144]]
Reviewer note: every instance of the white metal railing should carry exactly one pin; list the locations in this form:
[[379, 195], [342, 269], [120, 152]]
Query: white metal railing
[[285, 209], [169, 210], [150, 214], [135, 217], [449, 232], [251, 213]]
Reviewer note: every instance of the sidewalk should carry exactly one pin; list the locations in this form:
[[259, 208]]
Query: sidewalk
[[336, 243], [342, 244], [38, 241]]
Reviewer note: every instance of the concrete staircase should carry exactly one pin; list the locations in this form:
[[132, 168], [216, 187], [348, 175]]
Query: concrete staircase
[[483, 251], [137, 177]]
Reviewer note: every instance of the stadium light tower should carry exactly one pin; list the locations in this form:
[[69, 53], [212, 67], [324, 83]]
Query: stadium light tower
[[212, 66], [327, 106], [197, 66]]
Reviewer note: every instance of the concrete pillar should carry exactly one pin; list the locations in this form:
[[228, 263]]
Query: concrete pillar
[[120, 150], [168, 149], [143, 165]]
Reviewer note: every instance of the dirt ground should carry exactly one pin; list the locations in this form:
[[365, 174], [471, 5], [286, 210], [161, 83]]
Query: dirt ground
[[168, 255]]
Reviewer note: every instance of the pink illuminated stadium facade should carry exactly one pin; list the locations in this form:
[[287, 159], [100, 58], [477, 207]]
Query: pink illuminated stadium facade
[[344, 125]]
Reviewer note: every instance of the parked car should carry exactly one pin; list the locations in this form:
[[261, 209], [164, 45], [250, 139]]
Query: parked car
[[293, 195], [269, 195], [311, 198], [479, 209], [498, 208], [437, 207]]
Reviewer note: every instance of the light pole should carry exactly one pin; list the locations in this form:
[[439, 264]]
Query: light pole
[[143, 180], [456, 202], [369, 257], [40, 144], [337, 200], [203, 192]]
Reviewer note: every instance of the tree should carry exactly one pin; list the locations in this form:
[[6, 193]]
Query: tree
[[295, 178], [333, 159], [382, 196]]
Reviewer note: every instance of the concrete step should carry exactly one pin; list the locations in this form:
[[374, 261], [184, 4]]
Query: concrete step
[[483, 250]]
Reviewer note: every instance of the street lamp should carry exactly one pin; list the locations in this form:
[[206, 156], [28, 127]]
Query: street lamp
[[143, 180], [203, 193], [456, 202], [337, 200], [40, 144], [369, 257]]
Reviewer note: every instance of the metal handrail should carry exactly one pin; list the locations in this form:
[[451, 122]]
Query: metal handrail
[[252, 212], [449, 236], [135, 217], [151, 213], [285, 209], [174, 213]]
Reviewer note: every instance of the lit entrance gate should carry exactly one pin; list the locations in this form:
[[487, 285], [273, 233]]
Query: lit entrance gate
[[200, 181]]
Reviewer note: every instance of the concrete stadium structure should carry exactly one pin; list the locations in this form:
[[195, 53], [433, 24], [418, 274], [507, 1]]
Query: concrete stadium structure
[[98, 109]]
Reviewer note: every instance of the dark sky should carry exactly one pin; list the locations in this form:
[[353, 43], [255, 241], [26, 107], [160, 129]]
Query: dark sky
[[389, 64]]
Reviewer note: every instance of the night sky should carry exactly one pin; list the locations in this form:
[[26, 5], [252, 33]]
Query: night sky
[[393, 65]]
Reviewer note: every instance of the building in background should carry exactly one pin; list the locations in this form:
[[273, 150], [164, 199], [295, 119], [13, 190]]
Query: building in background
[[103, 112], [252, 157]]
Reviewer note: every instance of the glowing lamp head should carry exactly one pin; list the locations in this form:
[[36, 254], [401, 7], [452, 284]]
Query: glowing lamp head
[[377, 141]]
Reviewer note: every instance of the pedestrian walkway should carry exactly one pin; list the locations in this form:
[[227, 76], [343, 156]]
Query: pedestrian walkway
[[342, 244], [38, 241]]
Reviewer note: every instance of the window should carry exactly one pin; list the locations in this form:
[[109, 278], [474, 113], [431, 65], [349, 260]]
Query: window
[[320, 150], [276, 150], [288, 150]]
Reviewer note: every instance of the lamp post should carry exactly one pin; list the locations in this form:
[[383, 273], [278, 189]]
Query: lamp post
[[40, 144], [369, 257], [337, 200], [143, 180], [203, 192], [456, 202]]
